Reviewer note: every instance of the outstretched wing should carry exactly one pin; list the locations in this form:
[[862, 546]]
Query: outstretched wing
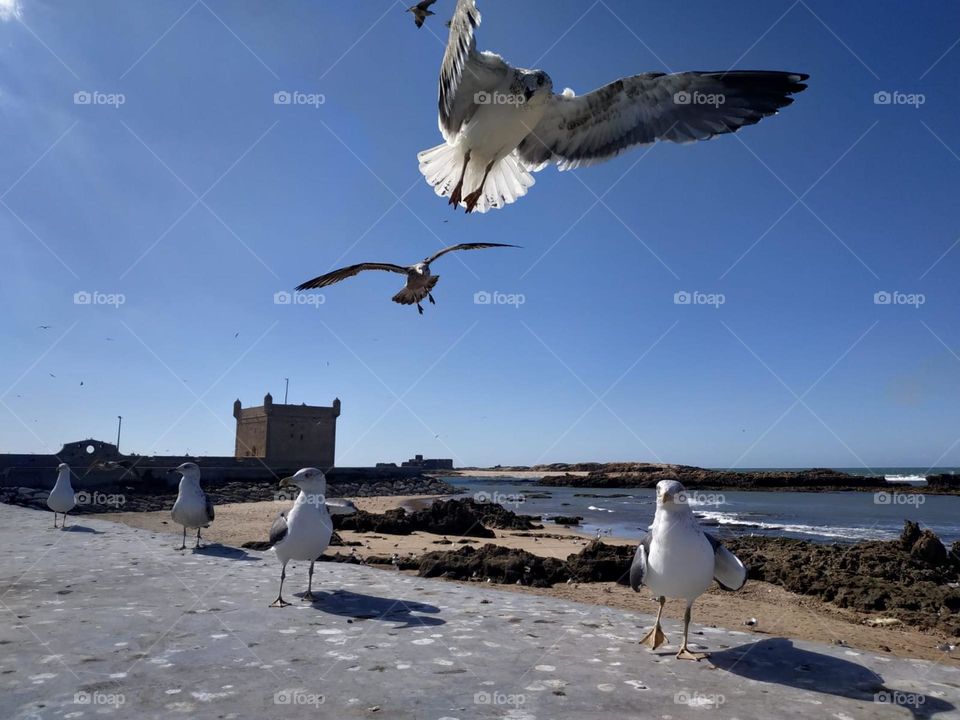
[[639, 110], [464, 71], [278, 531], [729, 572], [465, 246], [638, 567], [343, 273]]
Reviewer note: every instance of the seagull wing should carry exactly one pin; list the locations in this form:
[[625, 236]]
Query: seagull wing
[[278, 531], [465, 246], [464, 71], [639, 110], [343, 273], [340, 507], [729, 572], [209, 508], [638, 568]]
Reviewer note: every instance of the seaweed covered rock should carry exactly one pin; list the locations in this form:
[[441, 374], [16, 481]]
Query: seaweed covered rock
[[496, 563], [464, 518], [599, 562], [566, 519]]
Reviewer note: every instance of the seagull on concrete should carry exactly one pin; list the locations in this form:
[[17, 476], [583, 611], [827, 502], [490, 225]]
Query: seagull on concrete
[[501, 123], [305, 532], [61, 498], [421, 11], [676, 559], [192, 509], [419, 280]]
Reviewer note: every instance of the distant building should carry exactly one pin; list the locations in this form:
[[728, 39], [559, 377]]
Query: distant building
[[285, 435], [418, 461]]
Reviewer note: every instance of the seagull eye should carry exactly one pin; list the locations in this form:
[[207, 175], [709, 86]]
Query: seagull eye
[[540, 80]]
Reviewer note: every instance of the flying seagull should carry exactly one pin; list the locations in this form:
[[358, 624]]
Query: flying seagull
[[421, 11], [61, 499], [419, 280], [677, 559], [304, 533], [501, 123], [192, 508]]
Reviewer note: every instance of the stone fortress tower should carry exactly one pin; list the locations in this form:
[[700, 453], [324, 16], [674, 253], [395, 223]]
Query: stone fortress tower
[[287, 435]]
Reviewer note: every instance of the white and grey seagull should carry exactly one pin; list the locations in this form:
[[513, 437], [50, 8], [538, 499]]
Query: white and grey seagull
[[192, 508], [305, 532], [419, 279], [61, 498], [676, 559], [500, 123]]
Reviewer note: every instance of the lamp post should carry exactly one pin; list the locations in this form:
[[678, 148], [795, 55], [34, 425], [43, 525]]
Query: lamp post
[[119, 424], [286, 390]]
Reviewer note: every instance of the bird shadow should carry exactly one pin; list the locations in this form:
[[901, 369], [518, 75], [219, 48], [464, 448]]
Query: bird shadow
[[81, 529], [371, 607], [778, 660], [224, 551]]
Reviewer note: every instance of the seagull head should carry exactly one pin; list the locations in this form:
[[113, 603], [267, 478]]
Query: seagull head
[[672, 496], [536, 86], [310, 480], [63, 468], [189, 470]]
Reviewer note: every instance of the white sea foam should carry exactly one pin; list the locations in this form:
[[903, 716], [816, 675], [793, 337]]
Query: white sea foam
[[599, 509], [846, 533], [905, 478]]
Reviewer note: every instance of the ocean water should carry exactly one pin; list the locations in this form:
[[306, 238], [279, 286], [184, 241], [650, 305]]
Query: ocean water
[[821, 517]]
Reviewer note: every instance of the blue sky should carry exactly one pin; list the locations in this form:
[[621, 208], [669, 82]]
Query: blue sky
[[183, 190]]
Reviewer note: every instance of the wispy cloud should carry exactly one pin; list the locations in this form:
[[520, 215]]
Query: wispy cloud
[[10, 10]]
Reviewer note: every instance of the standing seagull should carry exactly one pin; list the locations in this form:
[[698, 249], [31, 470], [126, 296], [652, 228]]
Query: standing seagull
[[421, 11], [304, 533], [419, 280], [677, 559], [500, 122], [193, 508], [61, 499]]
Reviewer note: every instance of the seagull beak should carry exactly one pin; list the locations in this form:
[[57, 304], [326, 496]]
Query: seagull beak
[[288, 482]]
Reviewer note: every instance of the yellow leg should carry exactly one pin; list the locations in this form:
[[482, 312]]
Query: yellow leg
[[655, 638], [685, 654]]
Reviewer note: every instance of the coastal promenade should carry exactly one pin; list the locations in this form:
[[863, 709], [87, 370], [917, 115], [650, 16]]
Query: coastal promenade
[[102, 620]]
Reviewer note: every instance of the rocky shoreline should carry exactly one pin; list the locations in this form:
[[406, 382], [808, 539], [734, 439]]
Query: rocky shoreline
[[647, 475], [143, 497]]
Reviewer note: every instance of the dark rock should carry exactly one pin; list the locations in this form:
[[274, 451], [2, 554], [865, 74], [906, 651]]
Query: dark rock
[[566, 519], [499, 564], [598, 562], [929, 550], [446, 517], [910, 534]]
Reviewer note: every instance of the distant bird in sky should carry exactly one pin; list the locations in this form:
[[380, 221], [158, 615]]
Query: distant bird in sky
[[61, 498], [421, 11], [192, 508], [501, 123], [51, 374], [43, 327], [111, 465], [419, 280], [305, 532], [236, 334], [109, 339], [677, 559]]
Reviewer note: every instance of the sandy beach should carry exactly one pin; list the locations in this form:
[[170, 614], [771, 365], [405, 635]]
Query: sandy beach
[[777, 611]]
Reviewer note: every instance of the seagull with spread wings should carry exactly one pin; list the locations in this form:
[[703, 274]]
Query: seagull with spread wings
[[421, 11], [419, 279], [500, 123]]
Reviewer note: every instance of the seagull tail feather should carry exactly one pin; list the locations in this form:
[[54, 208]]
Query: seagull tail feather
[[508, 180]]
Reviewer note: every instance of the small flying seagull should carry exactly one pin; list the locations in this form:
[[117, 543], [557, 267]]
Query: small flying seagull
[[501, 123], [192, 508], [419, 280], [421, 11], [677, 559], [305, 532], [61, 498]]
